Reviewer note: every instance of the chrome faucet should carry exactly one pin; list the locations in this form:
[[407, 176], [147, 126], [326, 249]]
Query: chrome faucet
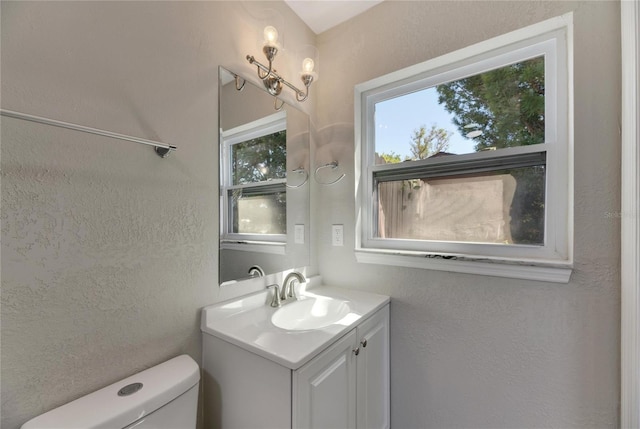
[[275, 301], [288, 288], [256, 271]]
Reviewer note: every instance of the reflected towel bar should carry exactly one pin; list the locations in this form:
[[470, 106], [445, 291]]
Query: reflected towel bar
[[161, 149], [299, 170], [332, 165]]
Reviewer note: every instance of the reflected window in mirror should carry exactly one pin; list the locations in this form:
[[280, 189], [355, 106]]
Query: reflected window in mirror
[[264, 193], [254, 165]]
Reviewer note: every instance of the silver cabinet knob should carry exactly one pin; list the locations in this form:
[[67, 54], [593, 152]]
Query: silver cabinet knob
[[363, 343], [356, 351]]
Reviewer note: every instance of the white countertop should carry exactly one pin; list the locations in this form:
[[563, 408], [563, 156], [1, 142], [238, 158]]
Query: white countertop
[[246, 322]]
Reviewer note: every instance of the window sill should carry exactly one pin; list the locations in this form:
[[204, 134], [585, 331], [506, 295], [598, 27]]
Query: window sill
[[254, 246], [527, 270]]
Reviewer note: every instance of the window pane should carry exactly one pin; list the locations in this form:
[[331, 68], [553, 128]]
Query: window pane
[[492, 110], [258, 212], [505, 207], [260, 159]]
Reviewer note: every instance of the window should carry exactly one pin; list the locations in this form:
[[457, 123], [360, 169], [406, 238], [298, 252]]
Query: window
[[253, 192], [467, 158]]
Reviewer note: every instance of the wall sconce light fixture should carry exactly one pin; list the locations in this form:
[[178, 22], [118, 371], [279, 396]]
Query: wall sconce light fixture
[[272, 80]]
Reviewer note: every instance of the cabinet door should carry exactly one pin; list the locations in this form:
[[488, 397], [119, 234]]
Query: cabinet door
[[324, 389], [372, 384]]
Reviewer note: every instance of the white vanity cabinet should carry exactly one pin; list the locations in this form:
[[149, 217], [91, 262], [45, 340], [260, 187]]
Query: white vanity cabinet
[[344, 386], [347, 385], [373, 386]]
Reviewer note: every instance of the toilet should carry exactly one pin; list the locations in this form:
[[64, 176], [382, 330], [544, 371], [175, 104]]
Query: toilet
[[162, 397]]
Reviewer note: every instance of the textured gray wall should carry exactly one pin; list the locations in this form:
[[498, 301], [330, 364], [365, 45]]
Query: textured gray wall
[[472, 351], [108, 251]]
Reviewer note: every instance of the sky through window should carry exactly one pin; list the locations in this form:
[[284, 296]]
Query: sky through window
[[397, 118]]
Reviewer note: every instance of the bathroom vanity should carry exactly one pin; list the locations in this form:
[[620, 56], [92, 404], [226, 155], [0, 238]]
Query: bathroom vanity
[[327, 368]]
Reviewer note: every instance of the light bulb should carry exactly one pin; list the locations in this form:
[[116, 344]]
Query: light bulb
[[270, 35], [307, 65]]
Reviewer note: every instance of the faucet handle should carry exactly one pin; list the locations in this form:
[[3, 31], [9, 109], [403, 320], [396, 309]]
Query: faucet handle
[[275, 301]]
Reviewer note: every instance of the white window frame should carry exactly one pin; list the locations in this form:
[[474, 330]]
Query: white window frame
[[550, 262], [266, 243], [630, 217]]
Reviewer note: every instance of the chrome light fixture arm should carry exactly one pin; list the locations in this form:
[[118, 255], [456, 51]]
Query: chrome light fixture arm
[[273, 81], [275, 104], [269, 52], [239, 86], [306, 79], [267, 70]]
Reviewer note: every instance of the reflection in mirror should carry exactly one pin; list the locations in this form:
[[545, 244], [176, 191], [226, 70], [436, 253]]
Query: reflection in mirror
[[264, 189]]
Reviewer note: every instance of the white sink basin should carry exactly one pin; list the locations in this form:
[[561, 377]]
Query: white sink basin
[[311, 313], [292, 334]]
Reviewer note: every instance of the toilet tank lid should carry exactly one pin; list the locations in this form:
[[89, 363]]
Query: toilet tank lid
[[105, 409]]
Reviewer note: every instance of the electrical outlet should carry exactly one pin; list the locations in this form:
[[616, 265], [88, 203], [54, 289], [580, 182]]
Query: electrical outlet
[[337, 235], [299, 234]]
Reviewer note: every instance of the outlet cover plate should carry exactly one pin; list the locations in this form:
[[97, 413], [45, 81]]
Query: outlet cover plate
[[337, 235]]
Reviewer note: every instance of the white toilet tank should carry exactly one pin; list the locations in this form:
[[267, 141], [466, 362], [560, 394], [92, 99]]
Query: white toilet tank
[[162, 397]]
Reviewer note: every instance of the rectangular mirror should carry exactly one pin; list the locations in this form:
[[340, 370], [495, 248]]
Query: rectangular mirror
[[264, 182]]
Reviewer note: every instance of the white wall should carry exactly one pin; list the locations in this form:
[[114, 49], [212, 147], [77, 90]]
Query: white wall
[[472, 351], [108, 251]]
